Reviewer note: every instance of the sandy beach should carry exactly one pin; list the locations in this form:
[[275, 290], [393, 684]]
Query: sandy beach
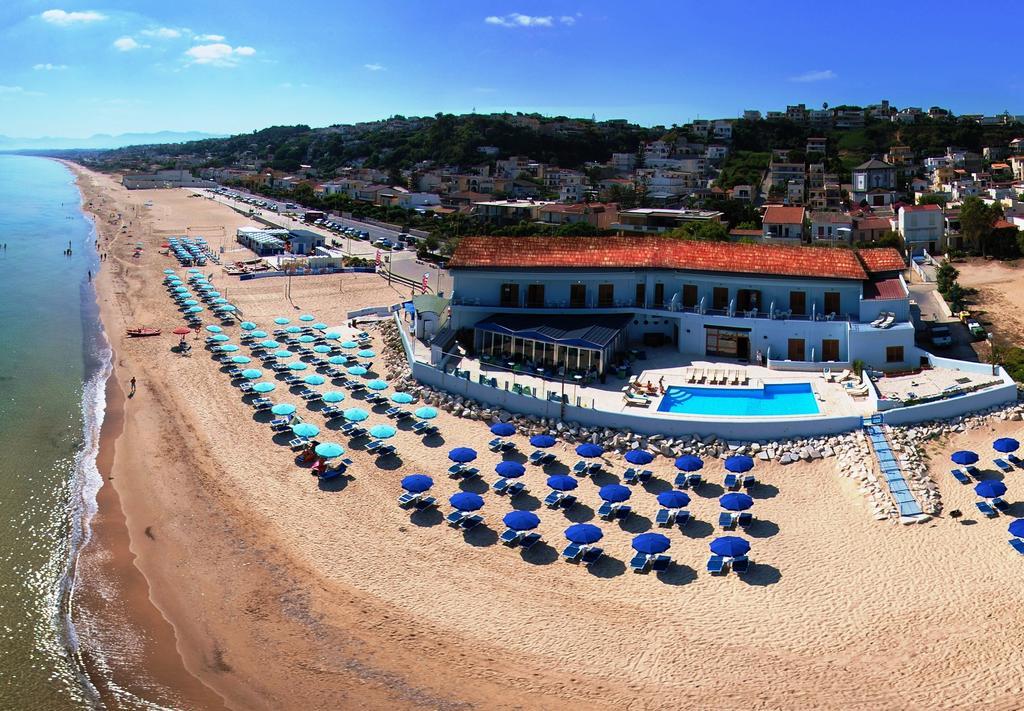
[[265, 590]]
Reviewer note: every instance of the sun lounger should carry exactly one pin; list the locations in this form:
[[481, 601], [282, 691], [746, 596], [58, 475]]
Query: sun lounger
[[744, 519], [1018, 545], [280, 424], [573, 552], [691, 375], [1003, 465], [495, 444], [426, 502], [635, 401], [339, 468], [986, 510], [374, 446], [665, 518], [529, 540], [633, 475], [740, 565], [259, 402], [510, 538], [502, 486], [606, 512], [686, 480], [591, 555], [682, 518], [293, 380], [1015, 460], [641, 563], [1000, 504], [960, 476], [973, 471], [298, 443], [454, 519], [407, 500], [727, 520], [660, 563], [716, 565], [470, 522], [279, 367], [749, 480], [310, 395], [732, 482], [245, 386]]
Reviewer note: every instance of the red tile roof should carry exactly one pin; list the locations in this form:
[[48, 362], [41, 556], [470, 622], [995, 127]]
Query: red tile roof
[[881, 259], [873, 223], [480, 252], [1004, 224], [884, 289], [779, 215], [921, 208]]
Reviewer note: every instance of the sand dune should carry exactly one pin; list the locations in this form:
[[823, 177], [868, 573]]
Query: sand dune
[[286, 594]]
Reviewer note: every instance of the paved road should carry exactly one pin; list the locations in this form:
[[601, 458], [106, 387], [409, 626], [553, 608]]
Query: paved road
[[929, 300]]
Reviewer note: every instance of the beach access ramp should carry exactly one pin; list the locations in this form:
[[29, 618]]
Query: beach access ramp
[[892, 471]]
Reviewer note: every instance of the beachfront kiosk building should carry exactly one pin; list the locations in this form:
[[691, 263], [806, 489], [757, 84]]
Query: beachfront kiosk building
[[581, 302]]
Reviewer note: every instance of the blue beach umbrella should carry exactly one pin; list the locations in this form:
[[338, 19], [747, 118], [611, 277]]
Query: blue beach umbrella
[[562, 482], [735, 501], [651, 543], [466, 501], [263, 387], [219, 300], [584, 534], [382, 431], [689, 463], [320, 326], [241, 360], [333, 335], [252, 374], [220, 338], [502, 429], [614, 493], [323, 350], [314, 379], [356, 370], [521, 520], [191, 302], [1016, 528], [305, 429], [258, 334], [293, 329], [329, 450], [589, 451], [462, 455], [283, 408], [377, 385], [964, 458], [213, 328], [281, 320], [228, 348], [333, 396], [366, 353], [402, 398], [168, 271], [739, 463], [349, 344], [542, 441], [337, 360], [211, 293], [298, 365], [283, 354], [510, 470], [194, 309], [307, 317], [247, 326], [1006, 445], [990, 489], [269, 343], [673, 499], [730, 546], [417, 483], [639, 456], [355, 414], [306, 339], [180, 290], [426, 412], [228, 308]]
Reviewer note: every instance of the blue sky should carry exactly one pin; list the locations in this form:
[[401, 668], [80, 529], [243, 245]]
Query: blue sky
[[108, 66]]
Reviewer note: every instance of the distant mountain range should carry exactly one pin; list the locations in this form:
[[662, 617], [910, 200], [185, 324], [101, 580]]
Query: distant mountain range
[[102, 141]]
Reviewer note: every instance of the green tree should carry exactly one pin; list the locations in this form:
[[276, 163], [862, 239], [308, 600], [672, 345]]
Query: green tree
[[955, 296], [932, 199], [976, 223], [945, 276]]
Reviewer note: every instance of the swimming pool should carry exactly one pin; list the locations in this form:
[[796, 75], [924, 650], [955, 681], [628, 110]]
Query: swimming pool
[[773, 400]]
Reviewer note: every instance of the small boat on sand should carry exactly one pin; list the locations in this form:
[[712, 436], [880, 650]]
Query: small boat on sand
[[141, 332]]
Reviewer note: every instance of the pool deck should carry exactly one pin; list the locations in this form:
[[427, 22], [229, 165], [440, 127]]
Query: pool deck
[[674, 368]]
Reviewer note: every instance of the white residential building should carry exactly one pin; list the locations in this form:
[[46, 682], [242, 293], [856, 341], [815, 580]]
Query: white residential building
[[921, 227]]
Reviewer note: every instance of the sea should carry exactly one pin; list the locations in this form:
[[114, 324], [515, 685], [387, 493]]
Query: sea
[[54, 362]]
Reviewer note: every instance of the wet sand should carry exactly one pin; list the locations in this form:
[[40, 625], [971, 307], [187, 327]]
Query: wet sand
[[282, 593]]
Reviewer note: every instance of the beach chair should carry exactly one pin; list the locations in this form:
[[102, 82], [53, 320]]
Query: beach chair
[[716, 565], [390, 412], [338, 469], [606, 512], [419, 427], [973, 471], [510, 538], [430, 431], [471, 522], [259, 402], [537, 457], [501, 486], [245, 386], [682, 518], [591, 555], [660, 563], [1015, 460], [426, 502], [402, 415], [732, 482], [580, 468], [454, 519], [1018, 545], [298, 443], [407, 500], [727, 520], [749, 480], [553, 500], [331, 412], [640, 563], [280, 424], [665, 517], [689, 480], [375, 446], [377, 399], [293, 380], [529, 541], [740, 565], [744, 519], [960, 476], [310, 395], [1003, 465], [495, 444], [572, 553], [986, 509], [1000, 504]]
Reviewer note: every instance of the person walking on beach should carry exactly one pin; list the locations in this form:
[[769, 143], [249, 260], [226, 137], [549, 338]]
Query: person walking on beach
[[132, 383]]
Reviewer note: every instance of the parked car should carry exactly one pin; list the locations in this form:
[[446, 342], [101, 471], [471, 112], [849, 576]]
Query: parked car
[[941, 336], [976, 329]]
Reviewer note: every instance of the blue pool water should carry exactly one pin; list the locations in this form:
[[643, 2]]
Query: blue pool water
[[773, 400]]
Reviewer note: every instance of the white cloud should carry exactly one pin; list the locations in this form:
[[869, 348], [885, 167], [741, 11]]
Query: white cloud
[[64, 18], [218, 54], [8, 90], [209, 38], [375, 67], [567, 20], [517, 19], [127, 44], [162, 33], [815, 75], [47, 67]]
